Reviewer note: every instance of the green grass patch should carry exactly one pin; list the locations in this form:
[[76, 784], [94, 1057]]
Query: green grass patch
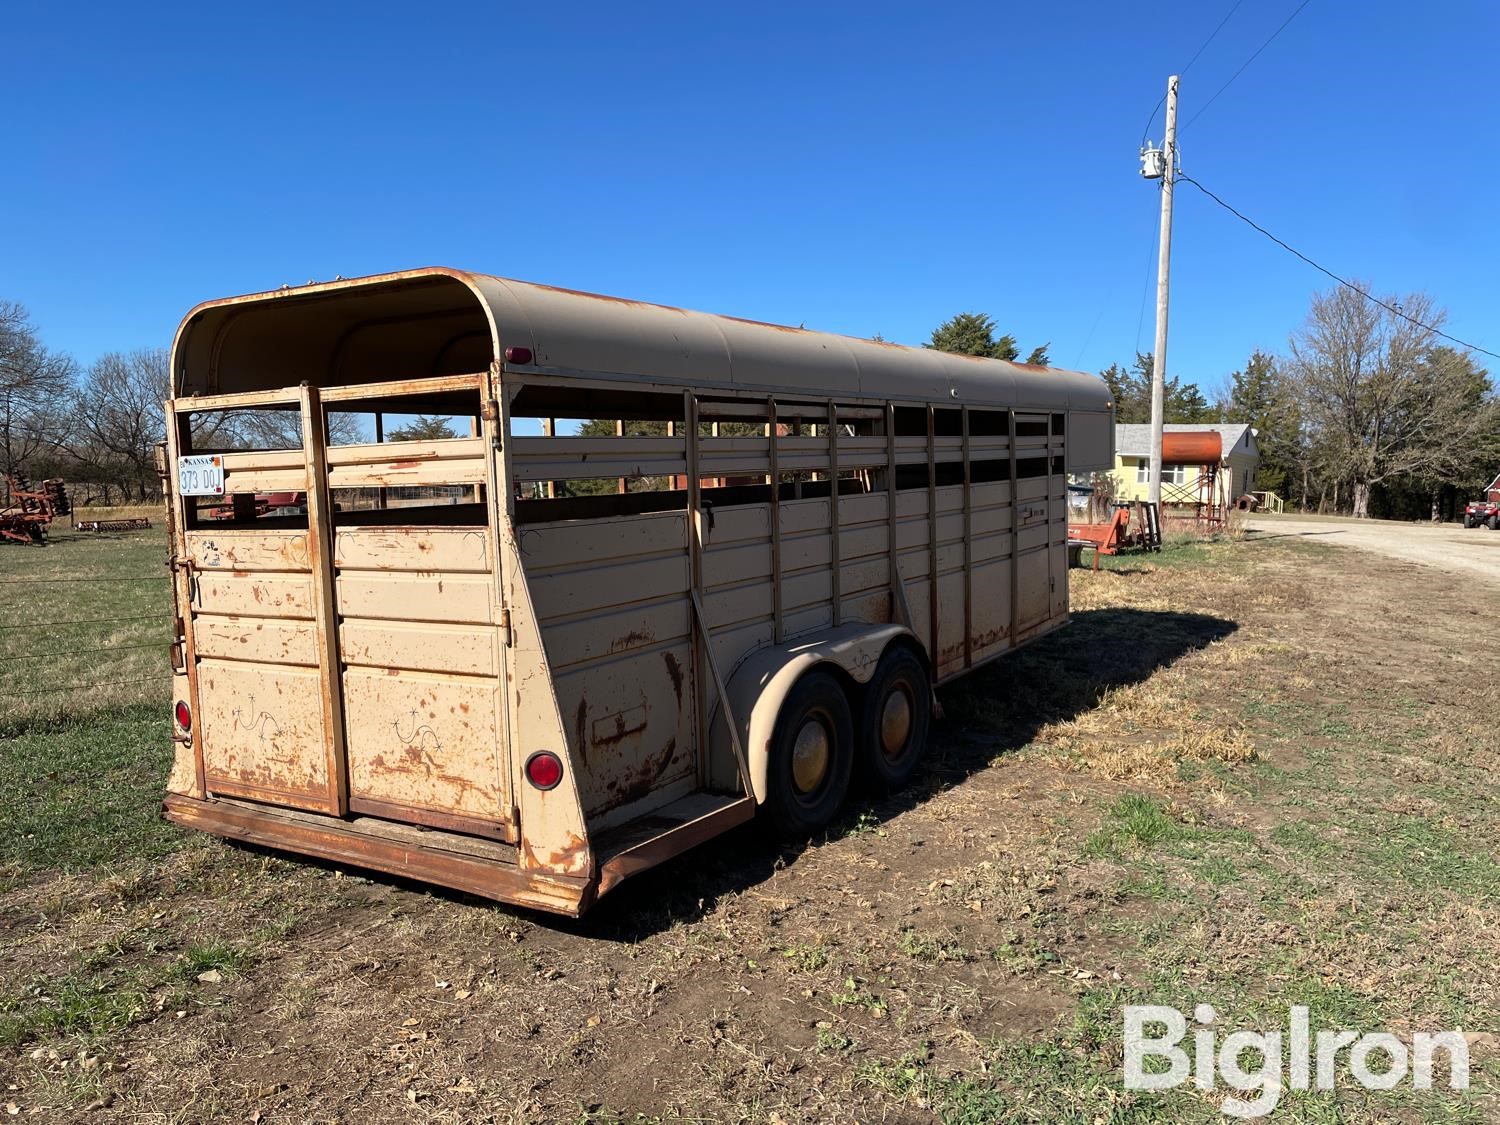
[[84, 626], [1133, 823], [95, 1000], [88, 794]]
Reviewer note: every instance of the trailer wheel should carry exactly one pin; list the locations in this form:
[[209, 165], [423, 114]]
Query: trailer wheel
[[894, 721], [812, 756]]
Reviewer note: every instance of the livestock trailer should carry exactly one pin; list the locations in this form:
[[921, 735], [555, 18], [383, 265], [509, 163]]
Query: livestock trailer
[[661, 570]]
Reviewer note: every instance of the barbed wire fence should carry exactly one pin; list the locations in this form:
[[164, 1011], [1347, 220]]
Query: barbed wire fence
[[9, 659]]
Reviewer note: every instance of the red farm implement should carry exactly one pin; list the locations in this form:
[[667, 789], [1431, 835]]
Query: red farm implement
[[31, 510], [1117, 534]]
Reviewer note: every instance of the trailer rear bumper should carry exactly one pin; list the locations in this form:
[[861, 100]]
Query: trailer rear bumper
[[463, 863]]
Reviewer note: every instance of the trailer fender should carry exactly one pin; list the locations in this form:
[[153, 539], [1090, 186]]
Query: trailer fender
[[758, 686]]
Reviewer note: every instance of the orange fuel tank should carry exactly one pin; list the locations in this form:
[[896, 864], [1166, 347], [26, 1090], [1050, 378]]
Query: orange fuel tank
[[1192, 447]]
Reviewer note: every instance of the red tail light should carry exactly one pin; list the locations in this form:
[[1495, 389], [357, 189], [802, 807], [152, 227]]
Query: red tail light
[[544, 769], [184, 716], [517, 354]]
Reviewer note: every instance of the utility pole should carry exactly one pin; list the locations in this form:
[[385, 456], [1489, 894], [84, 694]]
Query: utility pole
[[1168, 171]]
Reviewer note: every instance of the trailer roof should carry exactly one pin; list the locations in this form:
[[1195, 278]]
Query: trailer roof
[[440, 321]]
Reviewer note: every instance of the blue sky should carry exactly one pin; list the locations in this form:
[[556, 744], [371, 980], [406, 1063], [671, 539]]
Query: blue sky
[[860, 167]]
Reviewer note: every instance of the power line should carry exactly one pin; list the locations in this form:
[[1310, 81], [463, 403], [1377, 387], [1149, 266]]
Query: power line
[[1246, 63], [1211, 38], [1140, 318], [1324, 269], [1191, 61]]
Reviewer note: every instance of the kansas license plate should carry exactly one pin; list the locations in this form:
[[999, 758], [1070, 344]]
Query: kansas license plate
[[200, 475]]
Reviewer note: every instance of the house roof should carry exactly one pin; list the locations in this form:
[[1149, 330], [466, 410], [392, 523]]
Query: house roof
[[1133, 440]]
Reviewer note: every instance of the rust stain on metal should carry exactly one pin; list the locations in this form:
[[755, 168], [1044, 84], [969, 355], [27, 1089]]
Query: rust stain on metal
[[674, 669], [562, 859], [625, 301], [639, 782], [768, 324], [615, 728], [633, 639]]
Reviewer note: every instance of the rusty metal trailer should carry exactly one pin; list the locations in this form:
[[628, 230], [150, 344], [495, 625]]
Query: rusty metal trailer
[[528, 664]]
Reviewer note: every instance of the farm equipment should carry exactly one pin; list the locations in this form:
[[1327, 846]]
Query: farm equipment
[[1115, 535], [30, 512], [139, 523], [262, 504]]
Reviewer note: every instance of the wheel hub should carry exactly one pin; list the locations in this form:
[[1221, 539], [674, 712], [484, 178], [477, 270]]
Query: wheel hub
[[811, 754], [895, 723]]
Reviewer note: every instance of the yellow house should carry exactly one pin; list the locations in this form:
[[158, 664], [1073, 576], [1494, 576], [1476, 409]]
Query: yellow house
[[1237, 466]]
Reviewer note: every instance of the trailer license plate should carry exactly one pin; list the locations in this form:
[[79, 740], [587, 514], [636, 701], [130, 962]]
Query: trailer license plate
[[200, 475]]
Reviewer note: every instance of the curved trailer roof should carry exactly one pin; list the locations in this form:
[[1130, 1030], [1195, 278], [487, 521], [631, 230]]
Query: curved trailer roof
[[440, 321]]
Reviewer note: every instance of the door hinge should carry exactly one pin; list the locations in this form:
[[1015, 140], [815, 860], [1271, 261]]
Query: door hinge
[[510, 637]]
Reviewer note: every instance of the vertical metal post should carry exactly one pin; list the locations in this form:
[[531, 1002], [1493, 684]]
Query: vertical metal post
[[835, 555], [325, 613], [968, 546], [380, 493], [898, 592], [778, 623], [1163, 272], [932, 545], [549, 429], [700, 639], [623, 485], [1015, 536], [180, 437]]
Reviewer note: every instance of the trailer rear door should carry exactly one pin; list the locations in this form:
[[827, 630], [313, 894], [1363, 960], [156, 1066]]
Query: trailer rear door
[[348, 652]]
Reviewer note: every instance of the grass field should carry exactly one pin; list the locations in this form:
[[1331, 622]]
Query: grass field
[[1248, 774], [84, 625]]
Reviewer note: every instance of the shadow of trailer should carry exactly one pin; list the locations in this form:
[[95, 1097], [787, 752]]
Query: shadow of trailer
[[682, 570]]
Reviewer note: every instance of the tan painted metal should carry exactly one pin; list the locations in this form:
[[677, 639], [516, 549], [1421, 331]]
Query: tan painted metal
[[760, 684], [369, 681]]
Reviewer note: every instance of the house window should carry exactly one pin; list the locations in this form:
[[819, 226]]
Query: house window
[[1170, 474]]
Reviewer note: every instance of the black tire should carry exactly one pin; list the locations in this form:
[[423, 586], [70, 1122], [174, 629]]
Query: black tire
[[1495, 523], [802, 794], [894, 721], [1469, 522]]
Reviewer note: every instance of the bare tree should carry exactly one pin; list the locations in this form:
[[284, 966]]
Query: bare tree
[[120, 418], [1381, 400], [34, 387]]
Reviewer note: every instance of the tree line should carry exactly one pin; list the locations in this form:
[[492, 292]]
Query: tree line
[[97, 427], [1368, 411]]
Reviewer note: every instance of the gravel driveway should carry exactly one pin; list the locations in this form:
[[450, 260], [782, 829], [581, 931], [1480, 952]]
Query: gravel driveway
[[1448, 546]]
